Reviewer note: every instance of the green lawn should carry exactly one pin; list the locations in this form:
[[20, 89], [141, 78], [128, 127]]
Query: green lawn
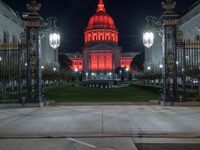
[[82, 94]]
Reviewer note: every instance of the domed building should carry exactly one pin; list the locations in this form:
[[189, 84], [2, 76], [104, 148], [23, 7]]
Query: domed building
[[102, 54]]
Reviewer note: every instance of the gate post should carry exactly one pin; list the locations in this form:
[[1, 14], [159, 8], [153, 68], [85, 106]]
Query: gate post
[[33, 22], [169, 25]]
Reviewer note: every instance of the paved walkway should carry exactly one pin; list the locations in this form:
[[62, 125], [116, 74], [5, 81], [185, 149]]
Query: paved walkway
[[100, 128], [98, 121]]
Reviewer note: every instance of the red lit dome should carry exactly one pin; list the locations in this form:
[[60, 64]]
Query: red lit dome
[[101, 20], [101, 27]]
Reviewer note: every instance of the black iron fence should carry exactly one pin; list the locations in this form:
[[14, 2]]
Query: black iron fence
[[13, 81], [188, 69]]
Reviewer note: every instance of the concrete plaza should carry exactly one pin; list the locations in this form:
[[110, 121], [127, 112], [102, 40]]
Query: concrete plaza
[[117, 127]]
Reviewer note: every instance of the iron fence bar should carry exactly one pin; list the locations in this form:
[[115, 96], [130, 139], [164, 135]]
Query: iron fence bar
[[19, 75], [185, 71]]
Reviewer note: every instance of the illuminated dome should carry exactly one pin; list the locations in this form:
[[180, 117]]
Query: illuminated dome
[[101, 20], [101, 27]]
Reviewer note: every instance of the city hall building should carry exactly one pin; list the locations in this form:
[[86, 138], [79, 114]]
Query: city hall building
[[102, 54]]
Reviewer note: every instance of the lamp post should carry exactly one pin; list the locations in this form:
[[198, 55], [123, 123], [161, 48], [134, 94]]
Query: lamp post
[[148, 35], [54, 37], [168, 25]]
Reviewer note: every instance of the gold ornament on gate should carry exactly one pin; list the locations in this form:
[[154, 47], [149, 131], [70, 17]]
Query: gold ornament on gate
[[168, 5], [34, 7]]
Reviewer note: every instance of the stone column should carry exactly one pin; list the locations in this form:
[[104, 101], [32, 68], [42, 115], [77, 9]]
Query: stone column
[[169, 25], [33, 23]]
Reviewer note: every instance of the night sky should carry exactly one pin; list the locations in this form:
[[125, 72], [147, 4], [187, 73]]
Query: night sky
[[73, 16]]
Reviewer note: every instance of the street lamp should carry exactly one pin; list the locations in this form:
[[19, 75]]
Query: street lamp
[[54, 37], [148, 35], [76, 70], [148, 68], [127, 69], [148, 39], [0, 58], [54, 40]]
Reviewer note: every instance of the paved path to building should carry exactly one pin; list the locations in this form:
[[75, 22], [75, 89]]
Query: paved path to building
[[98, 120], [90, 126]]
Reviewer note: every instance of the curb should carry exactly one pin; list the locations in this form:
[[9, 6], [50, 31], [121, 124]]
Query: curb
[[103, 135]]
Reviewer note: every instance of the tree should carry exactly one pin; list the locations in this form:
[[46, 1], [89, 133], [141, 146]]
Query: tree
[[65, 62], [137, 62]]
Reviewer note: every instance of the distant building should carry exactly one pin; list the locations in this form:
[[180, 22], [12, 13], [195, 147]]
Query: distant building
[[11, 28], [102, 54], [189, 25]]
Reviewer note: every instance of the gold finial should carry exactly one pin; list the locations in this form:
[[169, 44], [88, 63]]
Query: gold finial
[[168, 5], [33, 7]]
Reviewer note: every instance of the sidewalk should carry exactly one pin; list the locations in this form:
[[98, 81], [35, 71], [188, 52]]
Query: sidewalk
[[83, 121], [100, 128]]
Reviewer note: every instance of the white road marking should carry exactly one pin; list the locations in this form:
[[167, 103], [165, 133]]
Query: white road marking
[[82, 143]]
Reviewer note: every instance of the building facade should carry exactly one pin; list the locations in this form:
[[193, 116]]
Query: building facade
[[11, 25], [190, 22], [11, 28], [189, 25], [102, 54]]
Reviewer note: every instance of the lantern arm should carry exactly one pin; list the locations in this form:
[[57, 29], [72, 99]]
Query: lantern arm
[[44, 29], [52, 23], [152, 24]]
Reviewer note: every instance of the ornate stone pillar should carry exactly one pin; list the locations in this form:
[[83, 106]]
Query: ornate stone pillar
[[169, 25], [33, 23]]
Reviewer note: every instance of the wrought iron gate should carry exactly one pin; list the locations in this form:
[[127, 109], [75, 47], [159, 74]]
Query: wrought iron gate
[[13, 72], [188, 69]]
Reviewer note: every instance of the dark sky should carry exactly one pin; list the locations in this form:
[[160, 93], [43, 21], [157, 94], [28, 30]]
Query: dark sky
[[73, 16]]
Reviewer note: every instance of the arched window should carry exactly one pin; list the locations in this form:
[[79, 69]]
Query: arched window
[[5, 37]]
